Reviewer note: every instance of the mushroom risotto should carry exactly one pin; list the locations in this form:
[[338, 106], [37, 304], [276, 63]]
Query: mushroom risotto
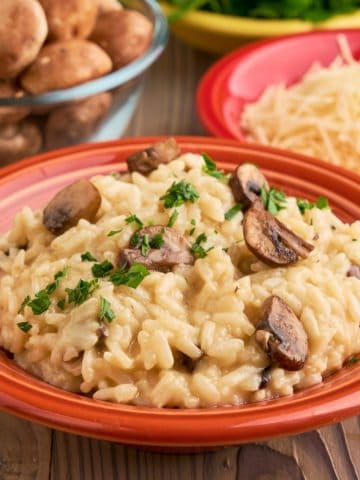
[[179, 285]]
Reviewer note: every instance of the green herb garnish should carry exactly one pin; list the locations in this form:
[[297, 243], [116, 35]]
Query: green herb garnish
[[210, 168], [114, 232], [40, 303], [24, 326], [233, 211], [61, 304], [145, 245], [100, 270], [352, 360], [274, 200], [180, 193], [134, 219], [157, 241], [24, 303], [132, 277], [105, 310], [82, 291], [304, 204], [173, 218], [197, 249], [87, 257]]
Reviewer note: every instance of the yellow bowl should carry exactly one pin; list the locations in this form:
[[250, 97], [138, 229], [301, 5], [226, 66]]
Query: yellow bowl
[[219, 34]]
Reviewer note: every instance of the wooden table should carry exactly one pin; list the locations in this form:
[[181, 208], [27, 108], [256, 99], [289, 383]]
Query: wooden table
[[29, 451]]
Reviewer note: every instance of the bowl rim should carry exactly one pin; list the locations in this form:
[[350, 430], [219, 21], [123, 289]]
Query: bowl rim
[[222, 69], [36, 401], [112, 79]]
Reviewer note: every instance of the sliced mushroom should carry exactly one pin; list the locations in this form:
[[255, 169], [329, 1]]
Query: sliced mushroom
[[281, 334], [270, 240], [145, 161], [246, 182], [174, 251], [79, 200], [354, 271]]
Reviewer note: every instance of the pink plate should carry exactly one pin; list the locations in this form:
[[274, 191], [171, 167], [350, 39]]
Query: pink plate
[[241, 76], [32, 182]]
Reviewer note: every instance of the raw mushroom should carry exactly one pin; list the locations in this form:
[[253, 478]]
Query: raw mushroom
[[108, 5], [19, 140], [174, 251], [23, 30], [145, 161], [79, 200], [246, 182], [270, 240], [281, 334], [354, 271], [10, 114]]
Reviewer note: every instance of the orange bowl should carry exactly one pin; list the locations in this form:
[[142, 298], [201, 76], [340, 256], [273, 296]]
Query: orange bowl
[[33, 181]]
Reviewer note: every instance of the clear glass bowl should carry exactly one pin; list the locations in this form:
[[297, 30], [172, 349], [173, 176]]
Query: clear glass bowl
[[120, 89]]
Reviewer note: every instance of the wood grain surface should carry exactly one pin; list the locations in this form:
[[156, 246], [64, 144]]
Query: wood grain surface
[[33, 452]]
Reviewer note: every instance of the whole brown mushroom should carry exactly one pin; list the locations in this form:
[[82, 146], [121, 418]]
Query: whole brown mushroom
[[65, 64], [23, 30], [74, 123], [11, 114], [19, 140], [109, 5], [70, 18], [124, 35]]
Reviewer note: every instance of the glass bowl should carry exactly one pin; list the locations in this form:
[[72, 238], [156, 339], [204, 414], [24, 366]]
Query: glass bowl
[[116, 94]]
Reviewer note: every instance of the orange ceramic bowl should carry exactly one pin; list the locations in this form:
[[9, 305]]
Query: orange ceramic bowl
[[33, 181]]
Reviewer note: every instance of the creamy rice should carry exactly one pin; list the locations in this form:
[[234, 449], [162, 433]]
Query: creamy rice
[[183, 338]]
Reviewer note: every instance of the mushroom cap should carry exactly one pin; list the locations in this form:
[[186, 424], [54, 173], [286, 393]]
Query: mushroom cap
[[145, 161], [246, 182]]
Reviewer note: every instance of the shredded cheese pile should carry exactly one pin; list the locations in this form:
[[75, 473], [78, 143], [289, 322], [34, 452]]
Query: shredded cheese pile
[[318, 116]]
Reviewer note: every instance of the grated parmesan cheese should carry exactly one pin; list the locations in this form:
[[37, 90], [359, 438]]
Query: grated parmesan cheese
[[318, 116]]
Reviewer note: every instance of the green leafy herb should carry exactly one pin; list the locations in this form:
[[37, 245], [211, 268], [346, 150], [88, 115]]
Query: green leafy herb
[[61, 304], [180, 193], [24, 326], [304, 204], [274, 200], [24, 303], [352, 360], [145, 245], [226, 249], [210, 168], [87, 257], [114, 232], [173, 218], [40, 303], [132, 277], [134, 219], [197, 249], [100, 270], [105, 310], [233, 211], [157, 241], [82, 291]]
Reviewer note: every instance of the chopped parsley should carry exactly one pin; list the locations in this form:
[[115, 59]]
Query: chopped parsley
[[61, 304], [274, 200], [87, 257], [82, 291], [173, 218], [145, 243], [210, 168], [100, 270], [105, 310], [157, 241], [24, 303], [132, 277], [304, 204], [197, 249], [134, 219], [114, 232], [24, 326], [352, 360], [226, 249], [233, 211], [179, 193]]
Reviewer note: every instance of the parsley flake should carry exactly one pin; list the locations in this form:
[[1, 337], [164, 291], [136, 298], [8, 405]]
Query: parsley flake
[[304, 204], [100, 270], [145, 245], [82, 291], [87, 257], [61, 304], [274, 200], [180, 193], [197, 249], [114, 232], [24, 326], [132, 277], [24, 303], [173, 218], [210, 168], [134, 219], [233, 211], [352, 360], [40, 303], [105, 310]]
